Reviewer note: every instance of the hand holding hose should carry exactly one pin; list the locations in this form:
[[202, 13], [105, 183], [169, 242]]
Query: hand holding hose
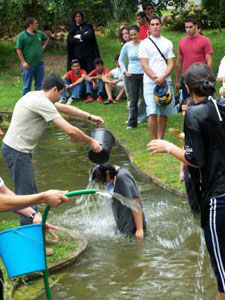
[[55, 197]]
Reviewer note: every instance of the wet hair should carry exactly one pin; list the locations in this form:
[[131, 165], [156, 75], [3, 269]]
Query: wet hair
[[200, 80], [98, 61], [141, 14], [75, 61], [191, 20], [116, 57], [134, 27], [52, 80], [155, 18], [78, 12], [29, 21], [147, 4], [99, 172], [120, 29]]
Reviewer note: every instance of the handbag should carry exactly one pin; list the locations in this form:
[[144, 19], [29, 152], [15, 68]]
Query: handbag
[[158, 49]]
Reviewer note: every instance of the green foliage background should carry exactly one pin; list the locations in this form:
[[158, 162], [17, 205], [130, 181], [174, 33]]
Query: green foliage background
[[52, 13]]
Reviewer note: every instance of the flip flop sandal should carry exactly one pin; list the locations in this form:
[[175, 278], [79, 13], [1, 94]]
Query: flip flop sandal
[[108, 101]]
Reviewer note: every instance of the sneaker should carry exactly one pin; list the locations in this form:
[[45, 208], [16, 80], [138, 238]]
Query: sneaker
[[130, 127], [89, 99], [108, 101], [62, 100], [49, 251], [69, 101], [51, 242], [99, 99]]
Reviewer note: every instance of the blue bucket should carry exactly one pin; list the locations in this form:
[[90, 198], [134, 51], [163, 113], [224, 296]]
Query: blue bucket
[[22, 250]]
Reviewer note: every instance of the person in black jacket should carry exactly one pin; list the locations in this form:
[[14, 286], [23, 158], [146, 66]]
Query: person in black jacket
[[204, 130], [82, 43]]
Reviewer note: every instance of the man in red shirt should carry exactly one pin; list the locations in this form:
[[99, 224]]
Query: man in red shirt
[[144, 25], [194, 48], [74, 82], [94, 83]]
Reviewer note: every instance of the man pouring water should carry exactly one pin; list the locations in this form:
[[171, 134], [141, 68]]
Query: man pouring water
[[31, 115], [120, 181]]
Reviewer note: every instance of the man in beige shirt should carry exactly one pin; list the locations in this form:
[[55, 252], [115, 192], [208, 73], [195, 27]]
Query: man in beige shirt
[[30, 119]]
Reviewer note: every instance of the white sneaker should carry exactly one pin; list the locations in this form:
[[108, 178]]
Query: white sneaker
[[70, 100], [62, 100]]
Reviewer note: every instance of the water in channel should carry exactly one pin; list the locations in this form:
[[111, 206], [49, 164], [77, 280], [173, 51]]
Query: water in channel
[[170, 263]]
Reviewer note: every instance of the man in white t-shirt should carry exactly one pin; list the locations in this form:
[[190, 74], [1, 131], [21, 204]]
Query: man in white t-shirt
[[31, 115], [114, 84], [157, 70], [221, 76]]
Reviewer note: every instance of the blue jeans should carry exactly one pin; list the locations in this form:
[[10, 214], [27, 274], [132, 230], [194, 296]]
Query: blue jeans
[[21, 170], [75, 92], [99, 91], [184, 90], [135, 88], [33, 72]]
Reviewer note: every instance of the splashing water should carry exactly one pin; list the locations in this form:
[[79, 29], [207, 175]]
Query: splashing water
[[132, 204]]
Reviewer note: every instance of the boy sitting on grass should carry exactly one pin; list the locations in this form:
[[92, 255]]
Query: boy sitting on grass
[[94, 83], [74, 82], [114, 84]]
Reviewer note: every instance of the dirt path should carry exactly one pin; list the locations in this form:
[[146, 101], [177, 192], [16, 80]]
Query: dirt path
[[55, 63]]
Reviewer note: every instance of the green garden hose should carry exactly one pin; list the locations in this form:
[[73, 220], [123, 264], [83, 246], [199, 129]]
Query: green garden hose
[[44, 218]]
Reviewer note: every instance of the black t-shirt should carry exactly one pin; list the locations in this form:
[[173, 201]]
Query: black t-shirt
[[127, 187], [205, 148]]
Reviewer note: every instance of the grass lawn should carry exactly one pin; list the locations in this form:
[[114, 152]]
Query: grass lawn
[[162, 167]]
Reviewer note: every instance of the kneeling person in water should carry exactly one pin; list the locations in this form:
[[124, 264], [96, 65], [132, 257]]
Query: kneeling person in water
[[128, 221]]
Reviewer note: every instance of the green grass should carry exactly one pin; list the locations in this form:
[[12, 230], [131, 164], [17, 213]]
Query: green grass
[[164, 168]]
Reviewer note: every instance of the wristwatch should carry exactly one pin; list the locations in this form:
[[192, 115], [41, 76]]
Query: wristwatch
[[33, 215]]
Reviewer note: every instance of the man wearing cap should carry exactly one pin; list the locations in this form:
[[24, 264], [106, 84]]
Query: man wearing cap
[[157, 59]]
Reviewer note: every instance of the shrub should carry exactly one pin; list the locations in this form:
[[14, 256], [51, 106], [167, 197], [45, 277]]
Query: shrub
[[176, 19]]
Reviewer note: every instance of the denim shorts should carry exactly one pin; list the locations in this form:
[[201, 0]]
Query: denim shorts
[[152, 108]]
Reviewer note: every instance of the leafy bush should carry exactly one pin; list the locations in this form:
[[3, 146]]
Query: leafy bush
[[176, 19]]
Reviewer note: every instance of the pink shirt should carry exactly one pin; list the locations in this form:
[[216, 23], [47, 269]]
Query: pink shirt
[[194, 50]]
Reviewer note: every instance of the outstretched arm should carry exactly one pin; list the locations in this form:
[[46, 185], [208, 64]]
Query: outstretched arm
[[78, 113], [138, 218]]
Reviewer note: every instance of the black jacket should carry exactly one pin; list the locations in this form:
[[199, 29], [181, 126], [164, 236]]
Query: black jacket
[[205, 148], [86, 47]]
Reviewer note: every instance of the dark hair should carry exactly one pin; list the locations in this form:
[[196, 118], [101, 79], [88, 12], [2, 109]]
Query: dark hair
[[75, 61], [120, 29], [99, 172], [134, 27], [52, 80], [147, 4], [191, 20], [98, 61], [76, 13], [141, 14], [29, 21], [200, 80], [155, 18], [116, 57]]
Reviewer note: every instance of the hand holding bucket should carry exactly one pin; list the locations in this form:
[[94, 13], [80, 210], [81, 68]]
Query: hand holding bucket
[[107, 140]]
